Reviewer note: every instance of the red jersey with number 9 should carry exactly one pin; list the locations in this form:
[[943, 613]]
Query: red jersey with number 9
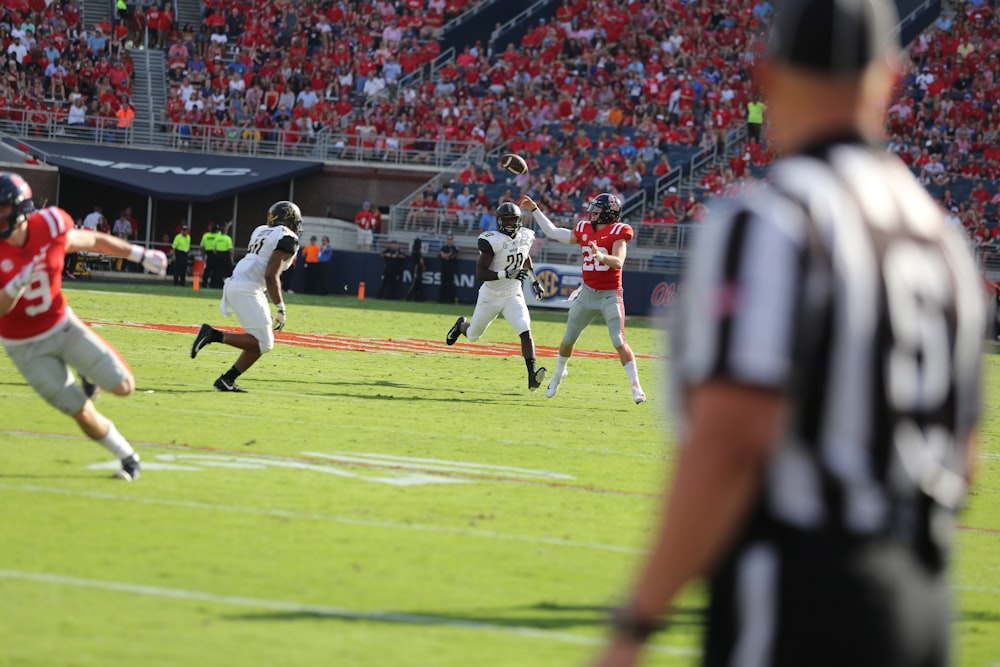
[[601, 276], [42, 305]]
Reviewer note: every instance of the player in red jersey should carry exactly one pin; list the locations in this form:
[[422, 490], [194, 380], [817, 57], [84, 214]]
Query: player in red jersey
[[38, 329], [603, 239]]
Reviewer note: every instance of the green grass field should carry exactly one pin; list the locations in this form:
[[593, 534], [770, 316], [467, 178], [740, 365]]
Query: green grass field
[[398, 503]]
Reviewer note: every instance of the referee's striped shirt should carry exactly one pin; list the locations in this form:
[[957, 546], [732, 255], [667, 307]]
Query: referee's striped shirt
[[840, 285]]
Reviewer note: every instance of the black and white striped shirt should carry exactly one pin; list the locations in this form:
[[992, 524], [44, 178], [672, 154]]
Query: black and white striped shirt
[[840, 285]]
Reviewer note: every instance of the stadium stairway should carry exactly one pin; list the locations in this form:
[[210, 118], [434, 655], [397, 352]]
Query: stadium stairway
[[95, 11], [187, 12], [149, 96]]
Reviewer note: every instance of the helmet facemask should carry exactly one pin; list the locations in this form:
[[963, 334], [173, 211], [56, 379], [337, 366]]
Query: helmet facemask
[[605, 209], [508, 219]]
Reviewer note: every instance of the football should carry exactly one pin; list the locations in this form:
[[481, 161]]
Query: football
[[513, 163]]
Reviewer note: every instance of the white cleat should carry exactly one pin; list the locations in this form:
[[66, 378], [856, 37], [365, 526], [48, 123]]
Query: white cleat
[[638, 394], [553, 387]]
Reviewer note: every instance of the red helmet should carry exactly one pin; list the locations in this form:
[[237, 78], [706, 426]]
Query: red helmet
[[15, 191], [607, 207]]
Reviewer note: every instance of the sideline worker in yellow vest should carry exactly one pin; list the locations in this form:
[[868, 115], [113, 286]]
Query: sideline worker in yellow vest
[[224, 256], [208, 240], [181, 246], [755, 117]]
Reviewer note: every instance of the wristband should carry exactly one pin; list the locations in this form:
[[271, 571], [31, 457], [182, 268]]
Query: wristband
[[600, 257], [281, 308], [625, 624], [502, 274], [136, 253], [13, 293]]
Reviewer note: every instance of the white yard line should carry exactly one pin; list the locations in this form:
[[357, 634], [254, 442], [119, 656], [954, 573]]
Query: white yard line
[[319, 610]]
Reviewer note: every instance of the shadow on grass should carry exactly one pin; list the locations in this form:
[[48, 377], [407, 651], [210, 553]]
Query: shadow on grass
[[979, 616], [553, 617]]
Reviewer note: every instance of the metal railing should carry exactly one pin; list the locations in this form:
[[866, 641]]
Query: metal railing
[[407, 220], [670, 179], [37, 124], [248, 140], [323, 145]]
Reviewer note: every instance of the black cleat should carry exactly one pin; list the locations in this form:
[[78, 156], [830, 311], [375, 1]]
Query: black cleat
[[455, 331], [203, 338], [90, 389], [130, 468], [536, 381], [223, 385]]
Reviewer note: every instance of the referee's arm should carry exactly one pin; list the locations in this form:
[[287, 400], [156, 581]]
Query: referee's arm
[[717, 478], [732, 357]]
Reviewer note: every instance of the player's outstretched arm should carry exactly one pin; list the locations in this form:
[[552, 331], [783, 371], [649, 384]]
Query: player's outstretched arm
[[154, 261], [560, 234]]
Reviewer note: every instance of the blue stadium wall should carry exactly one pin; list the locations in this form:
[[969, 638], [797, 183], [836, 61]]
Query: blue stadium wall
[[645, 293]]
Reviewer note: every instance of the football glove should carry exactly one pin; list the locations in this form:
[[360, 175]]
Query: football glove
[[155, 261], [521, 275], [539, 292], [279, 319], [16, 285]]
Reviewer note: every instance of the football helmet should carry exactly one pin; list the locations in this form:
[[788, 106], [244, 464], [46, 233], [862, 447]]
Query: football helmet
[[508, 218], [15, 191], [286, 214], [605, 209]]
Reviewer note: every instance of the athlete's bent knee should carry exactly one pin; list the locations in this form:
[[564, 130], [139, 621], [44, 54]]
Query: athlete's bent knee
[[126, 387]]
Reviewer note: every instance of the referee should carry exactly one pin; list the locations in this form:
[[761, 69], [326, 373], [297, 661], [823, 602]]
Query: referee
[[826, 361]]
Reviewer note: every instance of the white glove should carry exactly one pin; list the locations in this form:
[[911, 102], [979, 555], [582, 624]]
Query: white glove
[[155, 261], [16, 285], [279, 319]]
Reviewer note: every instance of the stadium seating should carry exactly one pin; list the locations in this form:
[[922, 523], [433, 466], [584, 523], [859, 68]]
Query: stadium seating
[[671, 74]]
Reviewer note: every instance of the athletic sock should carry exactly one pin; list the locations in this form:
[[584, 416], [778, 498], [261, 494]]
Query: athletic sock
[[116, 443], [231, 375], [216, 336], [632, 372], [530, 363], [561, 362]]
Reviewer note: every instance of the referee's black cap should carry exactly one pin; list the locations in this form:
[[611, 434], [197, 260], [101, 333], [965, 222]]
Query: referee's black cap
[[837, 37]]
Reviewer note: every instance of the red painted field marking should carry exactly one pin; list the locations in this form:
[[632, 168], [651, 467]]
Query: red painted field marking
[[377, 345]]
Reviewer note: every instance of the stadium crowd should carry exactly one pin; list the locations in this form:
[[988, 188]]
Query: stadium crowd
[[606, 95], [53, 69]]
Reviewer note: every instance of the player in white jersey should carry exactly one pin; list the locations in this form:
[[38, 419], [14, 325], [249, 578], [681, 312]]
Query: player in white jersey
[[503, 263], [256, 278]]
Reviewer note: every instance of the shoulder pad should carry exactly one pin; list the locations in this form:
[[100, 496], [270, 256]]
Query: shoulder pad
[[485, 245], [623, 231], [288, 243]]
